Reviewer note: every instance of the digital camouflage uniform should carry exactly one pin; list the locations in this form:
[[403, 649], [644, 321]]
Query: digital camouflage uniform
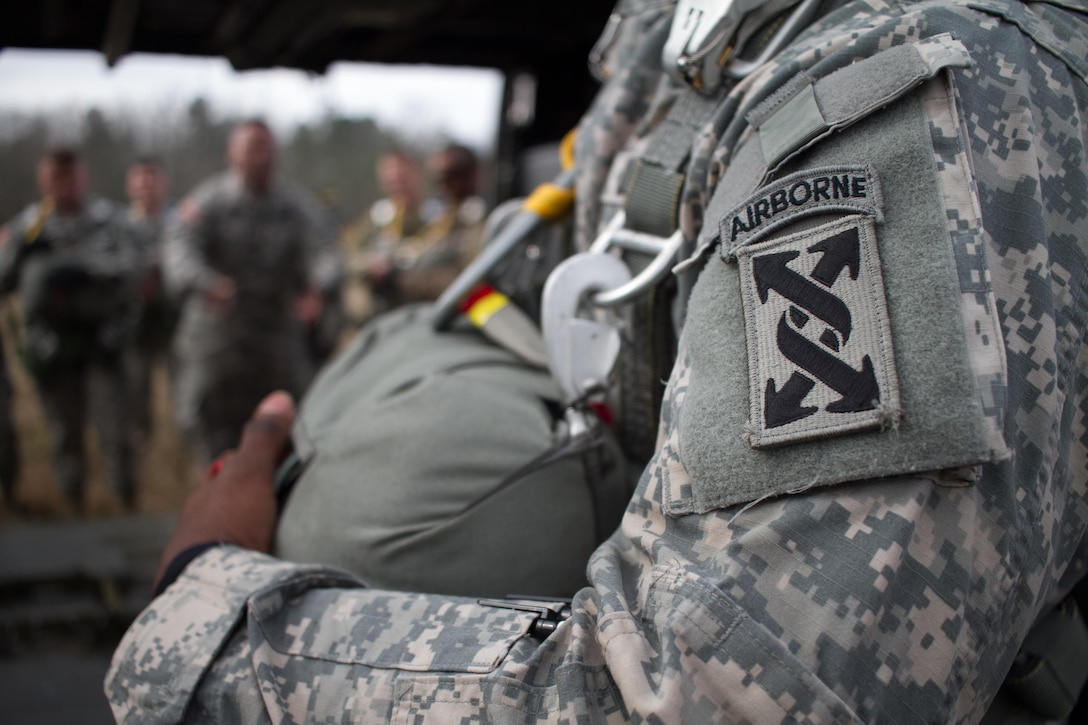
[[9, 441], [873, 458], [156, 320], [74, 274], [272, 248], [157, 315]]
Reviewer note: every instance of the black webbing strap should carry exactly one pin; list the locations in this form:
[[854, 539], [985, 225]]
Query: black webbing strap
[[651, 203], [653, 194]]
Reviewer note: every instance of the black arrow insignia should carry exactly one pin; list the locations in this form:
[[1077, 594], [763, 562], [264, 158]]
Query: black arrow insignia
[[784, 406], [841, 251], [858, 388], [771, 272]]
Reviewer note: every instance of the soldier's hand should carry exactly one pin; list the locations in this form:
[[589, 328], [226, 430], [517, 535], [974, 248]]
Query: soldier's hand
[[308, 306], [379, 267], [150, 284], [234, 502], [220, 294]]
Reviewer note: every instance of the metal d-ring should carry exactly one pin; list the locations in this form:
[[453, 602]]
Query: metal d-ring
[[664, 250]]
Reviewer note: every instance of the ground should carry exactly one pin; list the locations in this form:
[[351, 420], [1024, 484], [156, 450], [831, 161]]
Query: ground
[[72, 579]]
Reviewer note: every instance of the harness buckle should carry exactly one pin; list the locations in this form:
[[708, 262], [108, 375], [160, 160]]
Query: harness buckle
[[663, 249], [582, 345], [700, 40]]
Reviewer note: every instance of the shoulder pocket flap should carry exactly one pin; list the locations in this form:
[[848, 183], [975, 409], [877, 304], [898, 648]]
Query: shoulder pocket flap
[[805, 111]]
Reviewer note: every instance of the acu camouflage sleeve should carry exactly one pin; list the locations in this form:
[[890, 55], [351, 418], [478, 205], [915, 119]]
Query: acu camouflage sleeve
[[322, 263], [899, 599], [11, 241], [185, 264]]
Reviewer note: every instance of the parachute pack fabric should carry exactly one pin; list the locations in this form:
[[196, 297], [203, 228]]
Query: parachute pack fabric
[[432, 461]]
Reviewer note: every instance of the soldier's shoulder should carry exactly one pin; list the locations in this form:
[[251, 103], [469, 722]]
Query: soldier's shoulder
[[357, 231], [431, 210], [216, 189], [25, 218], [472, 211], [169, 216], [15, 230], [296, 195], [214, 192], [381, 213], [104, 211]]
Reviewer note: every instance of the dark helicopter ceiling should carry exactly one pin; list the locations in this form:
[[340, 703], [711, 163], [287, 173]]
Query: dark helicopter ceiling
[[311, 34], [551, 40]]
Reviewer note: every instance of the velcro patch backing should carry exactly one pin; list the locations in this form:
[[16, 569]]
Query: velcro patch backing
[[943, 423], [819, 344]]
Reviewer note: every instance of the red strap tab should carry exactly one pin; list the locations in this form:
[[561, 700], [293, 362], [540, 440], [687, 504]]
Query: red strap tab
[[478, 293]]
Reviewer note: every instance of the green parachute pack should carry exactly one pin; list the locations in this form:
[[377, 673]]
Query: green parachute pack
[[441, 462]]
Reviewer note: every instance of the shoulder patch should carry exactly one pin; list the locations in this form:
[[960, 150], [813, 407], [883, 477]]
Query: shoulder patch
[[820, 355], [849, 188]]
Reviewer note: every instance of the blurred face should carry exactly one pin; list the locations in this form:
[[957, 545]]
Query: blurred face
[[251, 154], [452, 175], [400, 180], [66, 183], [146, 186]]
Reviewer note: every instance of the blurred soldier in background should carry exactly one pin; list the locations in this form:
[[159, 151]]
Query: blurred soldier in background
[[248, 257], [146, 184], [73, 260], [9, 440], [399, 214], [323, 333], [412, 252]]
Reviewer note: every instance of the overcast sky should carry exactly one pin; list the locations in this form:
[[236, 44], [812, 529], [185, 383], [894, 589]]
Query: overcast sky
[[459, 103]]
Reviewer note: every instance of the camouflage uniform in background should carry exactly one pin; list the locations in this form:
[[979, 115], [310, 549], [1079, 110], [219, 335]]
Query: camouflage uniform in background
[[272, 247], [9, 440], [75, 275], [427, 261], [871, 477], [156, 321], [380, 228], [158, 316], [323, 334], [427, 250]]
